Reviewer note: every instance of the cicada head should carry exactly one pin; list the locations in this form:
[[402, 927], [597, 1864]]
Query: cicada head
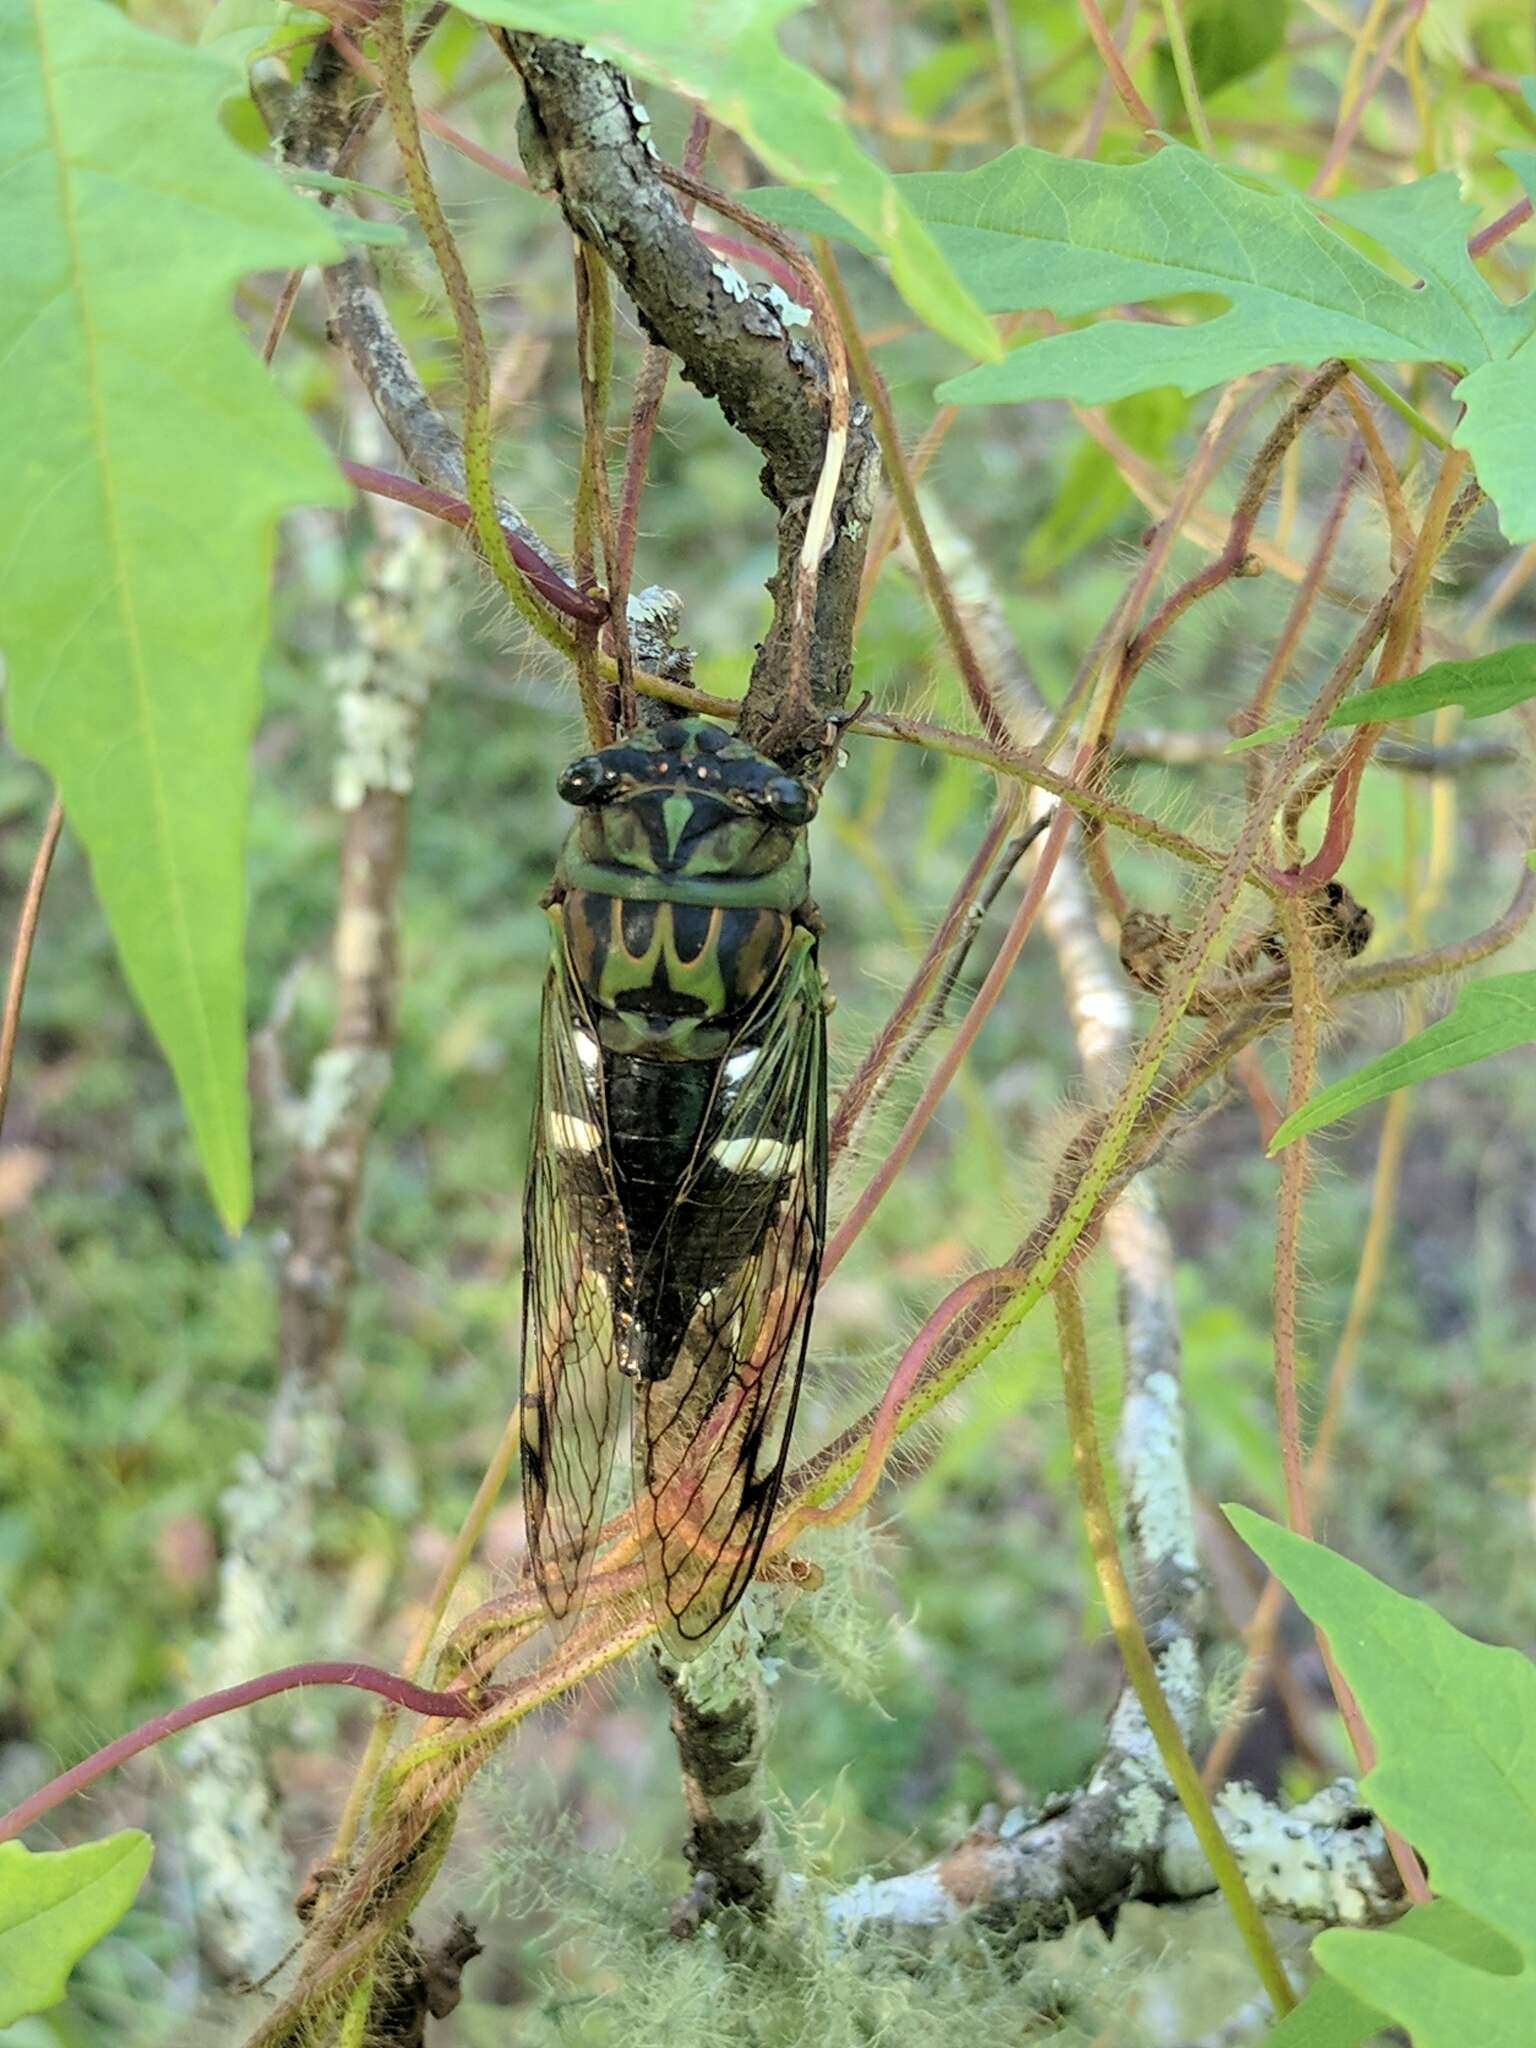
[[687, 801]]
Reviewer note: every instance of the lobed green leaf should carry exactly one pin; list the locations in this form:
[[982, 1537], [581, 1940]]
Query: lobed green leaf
[[1455, 1727], [56, 1904], [1031, 231]]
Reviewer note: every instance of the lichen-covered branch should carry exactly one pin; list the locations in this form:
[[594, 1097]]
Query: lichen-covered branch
[[1323, 1861], [584, 137], [402, 628]]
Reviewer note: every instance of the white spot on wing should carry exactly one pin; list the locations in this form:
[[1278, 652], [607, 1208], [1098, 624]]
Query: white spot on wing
[[573, 1133], [769, 1157], [740, 1064]]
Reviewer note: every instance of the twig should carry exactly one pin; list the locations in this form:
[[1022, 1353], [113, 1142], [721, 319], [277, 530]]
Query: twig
[[935, 584], [21, 948], [546, 580], [650, 387], [489, 530], [944, 1072], [1184, 69], [487, 1493], [315, 138], [1114, 64]]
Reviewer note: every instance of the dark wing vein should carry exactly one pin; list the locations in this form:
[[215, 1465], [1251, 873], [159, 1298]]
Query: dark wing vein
[[711, 1438], [575, 1277]]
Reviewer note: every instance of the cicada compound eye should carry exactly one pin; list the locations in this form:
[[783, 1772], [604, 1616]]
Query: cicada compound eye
[[791, 801], [588, 781]]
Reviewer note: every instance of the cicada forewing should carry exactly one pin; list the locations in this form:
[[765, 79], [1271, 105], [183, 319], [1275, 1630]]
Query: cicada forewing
[[711, 1433], [577, 1283]]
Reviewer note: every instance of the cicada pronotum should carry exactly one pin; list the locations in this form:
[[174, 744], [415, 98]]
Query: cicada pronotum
[[676, 1199]]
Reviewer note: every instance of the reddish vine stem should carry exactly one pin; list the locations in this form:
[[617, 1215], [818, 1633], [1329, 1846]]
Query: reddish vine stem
[[1441, 518], [938, 1082], [1496, 231], [936, 584], [366, 1677], [21, 951], [586, 606], [855, 1097], [1253, 715], [1114, 64]]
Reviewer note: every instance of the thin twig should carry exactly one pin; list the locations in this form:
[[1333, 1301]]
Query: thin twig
[[1087, 1464], [21, 948]]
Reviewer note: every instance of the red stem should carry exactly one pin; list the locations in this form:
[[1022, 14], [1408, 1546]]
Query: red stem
[[548, 582], [959, 1045], [441, 1705], [1496, 230]]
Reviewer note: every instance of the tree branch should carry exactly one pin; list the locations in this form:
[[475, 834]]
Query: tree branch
[[745, 347], [402, 621]]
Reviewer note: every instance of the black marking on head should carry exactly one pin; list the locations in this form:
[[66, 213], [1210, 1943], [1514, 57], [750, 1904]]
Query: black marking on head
[[691, 754]]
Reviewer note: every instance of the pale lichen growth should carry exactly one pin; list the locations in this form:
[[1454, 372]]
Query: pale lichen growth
[[789, 310], [345, 1084], [733, 281], [382, 681], [1323, 1860], [1152, 1436], [655, 609]]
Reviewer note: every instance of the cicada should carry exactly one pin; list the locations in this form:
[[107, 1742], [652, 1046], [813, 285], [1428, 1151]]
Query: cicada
[[676, 1204]]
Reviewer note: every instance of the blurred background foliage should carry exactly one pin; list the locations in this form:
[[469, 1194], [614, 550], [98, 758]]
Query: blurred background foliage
[[963, 1658]]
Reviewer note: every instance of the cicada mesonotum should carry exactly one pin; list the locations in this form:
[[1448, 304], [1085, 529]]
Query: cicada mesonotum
[[677, 1187]]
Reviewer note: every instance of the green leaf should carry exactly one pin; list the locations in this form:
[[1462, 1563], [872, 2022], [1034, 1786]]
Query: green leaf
[[1331, 2017], [1490, 1016], [1228, 39], [1033, 231], [727, 57], [1455, 1727], [148, 457], [54, 1905], [1489, 683]]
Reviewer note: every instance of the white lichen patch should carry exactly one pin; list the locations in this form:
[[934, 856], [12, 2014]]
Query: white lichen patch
[[789, 310], [916, 1900], [1152, 1458], [1315, 1861], [655, 610], [732, 280], [382, 681], [343, 1085]]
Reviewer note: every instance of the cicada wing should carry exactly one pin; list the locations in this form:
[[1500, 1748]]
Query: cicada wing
[[576, 1287], [712, 1436]]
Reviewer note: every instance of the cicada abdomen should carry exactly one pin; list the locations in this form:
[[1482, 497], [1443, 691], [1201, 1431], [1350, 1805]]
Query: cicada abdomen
[[677, 1192]]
